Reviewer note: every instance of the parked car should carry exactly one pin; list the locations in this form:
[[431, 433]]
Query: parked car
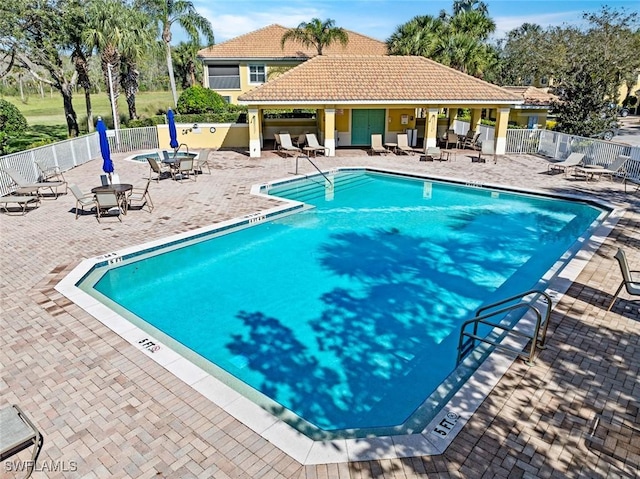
[[607, 134], [623, 111]]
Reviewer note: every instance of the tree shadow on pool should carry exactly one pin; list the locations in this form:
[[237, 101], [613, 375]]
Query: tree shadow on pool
[[369, 359]]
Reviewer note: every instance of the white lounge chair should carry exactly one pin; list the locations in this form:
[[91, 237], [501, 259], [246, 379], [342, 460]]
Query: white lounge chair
[[26, 188], [614, 168], [402, 144], [630, 279], [573, 160], [377, 146], [287, 146], [314, 146]]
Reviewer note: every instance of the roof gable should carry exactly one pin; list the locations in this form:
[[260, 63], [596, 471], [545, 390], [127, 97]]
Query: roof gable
[[394, 79], [266, 43], [533, 95]]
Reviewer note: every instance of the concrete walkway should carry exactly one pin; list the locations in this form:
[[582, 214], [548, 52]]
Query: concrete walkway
[[106, 410]]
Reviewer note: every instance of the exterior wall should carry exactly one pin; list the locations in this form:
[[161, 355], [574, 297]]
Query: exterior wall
[[207, 135], [623, 91], [521, 116], [245, 85]]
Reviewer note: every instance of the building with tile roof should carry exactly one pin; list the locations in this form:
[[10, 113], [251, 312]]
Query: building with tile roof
[[533, 112], [242, 63], [357, 96]]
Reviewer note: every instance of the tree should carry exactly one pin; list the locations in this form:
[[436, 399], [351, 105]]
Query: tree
[[316, 34], [166, 13], [37, 33], [12, 123], [107, 20], [460, 6], [184, 63], [458, 41]]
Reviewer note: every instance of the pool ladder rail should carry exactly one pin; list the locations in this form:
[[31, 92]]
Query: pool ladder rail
[[469, 340], [330, 183]]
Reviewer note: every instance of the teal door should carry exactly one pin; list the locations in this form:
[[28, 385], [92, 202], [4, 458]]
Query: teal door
[[365, 123]]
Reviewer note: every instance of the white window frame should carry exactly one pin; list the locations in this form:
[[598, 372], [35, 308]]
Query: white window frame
[[264, 73]]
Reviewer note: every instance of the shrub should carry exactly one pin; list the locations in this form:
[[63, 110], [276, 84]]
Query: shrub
[[12, 123], [198, 99]]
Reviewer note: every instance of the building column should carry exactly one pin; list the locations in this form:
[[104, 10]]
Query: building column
[[431, 128], [476, 118], [502, 120], [329, 131], [253, 117]]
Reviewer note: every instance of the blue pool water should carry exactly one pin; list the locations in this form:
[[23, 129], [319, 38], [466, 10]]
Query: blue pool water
[[143, 158], [348, 314]]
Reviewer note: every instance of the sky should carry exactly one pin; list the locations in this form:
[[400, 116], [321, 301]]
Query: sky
[[380, 18]]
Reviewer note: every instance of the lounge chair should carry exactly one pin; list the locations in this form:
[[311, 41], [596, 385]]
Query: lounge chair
[[314, 146], [287, 146], [82, 199], [157, 168], [21, 202], [184, 167], [276, 137], [614, 168], [377, 146], [630, 279], [573, 160], [26, 188], [141, 195], [486, 148], [18, 434], [471, 141], [107, 204], [48, 172], [403, 144], [432, 153], [300, 140]]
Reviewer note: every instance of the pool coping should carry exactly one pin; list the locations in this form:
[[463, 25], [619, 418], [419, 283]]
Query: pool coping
[[458, 410]]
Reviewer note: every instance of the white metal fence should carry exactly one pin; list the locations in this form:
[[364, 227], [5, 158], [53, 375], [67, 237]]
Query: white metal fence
[[71, 153]]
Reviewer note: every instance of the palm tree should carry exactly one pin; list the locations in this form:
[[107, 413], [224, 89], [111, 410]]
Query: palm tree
[[419, 36], [168, 12], [184, 62], [104, 32], [469, 5], [316, 34]]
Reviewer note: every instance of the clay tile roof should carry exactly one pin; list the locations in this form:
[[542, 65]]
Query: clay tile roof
[[265, 43], [394, 79], [533, 95]]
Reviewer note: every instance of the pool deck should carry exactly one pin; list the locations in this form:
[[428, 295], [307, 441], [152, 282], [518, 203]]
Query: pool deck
[[107, 410]]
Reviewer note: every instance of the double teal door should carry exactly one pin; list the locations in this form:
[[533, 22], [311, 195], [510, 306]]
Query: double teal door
[[365, 123]]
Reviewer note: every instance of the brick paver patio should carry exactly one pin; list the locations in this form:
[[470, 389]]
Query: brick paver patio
[[107, 410]]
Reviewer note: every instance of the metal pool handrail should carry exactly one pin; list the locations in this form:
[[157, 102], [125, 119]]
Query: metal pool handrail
[[314, 165], [538, 338]]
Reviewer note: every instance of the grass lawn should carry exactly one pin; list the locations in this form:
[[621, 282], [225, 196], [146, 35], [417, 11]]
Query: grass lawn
[[45, 116]]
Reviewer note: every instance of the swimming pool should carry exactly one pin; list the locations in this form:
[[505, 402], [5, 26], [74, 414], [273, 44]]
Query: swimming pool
[[370, 280]]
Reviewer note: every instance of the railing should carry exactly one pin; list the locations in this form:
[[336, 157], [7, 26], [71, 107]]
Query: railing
[[315, 166], [470, 339], [74, 152]]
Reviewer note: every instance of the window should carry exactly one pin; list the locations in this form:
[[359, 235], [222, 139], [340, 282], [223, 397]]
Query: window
[[257, 74], [544, 81], [224, 77]]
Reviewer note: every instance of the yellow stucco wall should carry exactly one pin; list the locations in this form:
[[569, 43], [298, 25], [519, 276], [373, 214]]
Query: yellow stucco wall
[[342, 119], [395, 117], [207, 135]]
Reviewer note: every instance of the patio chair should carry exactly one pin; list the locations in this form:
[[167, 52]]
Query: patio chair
[[300, 140], [452, 139], [486, 148], [276, 137], [82, 199], [630, 279], [184, 167], [48, 172], [314, 145], [18, 434], [26, 188], [377, 146], [107, 204], [287, 146], [403, 144], [202, 160], [140, 195], [157, 168], [573, 160]]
